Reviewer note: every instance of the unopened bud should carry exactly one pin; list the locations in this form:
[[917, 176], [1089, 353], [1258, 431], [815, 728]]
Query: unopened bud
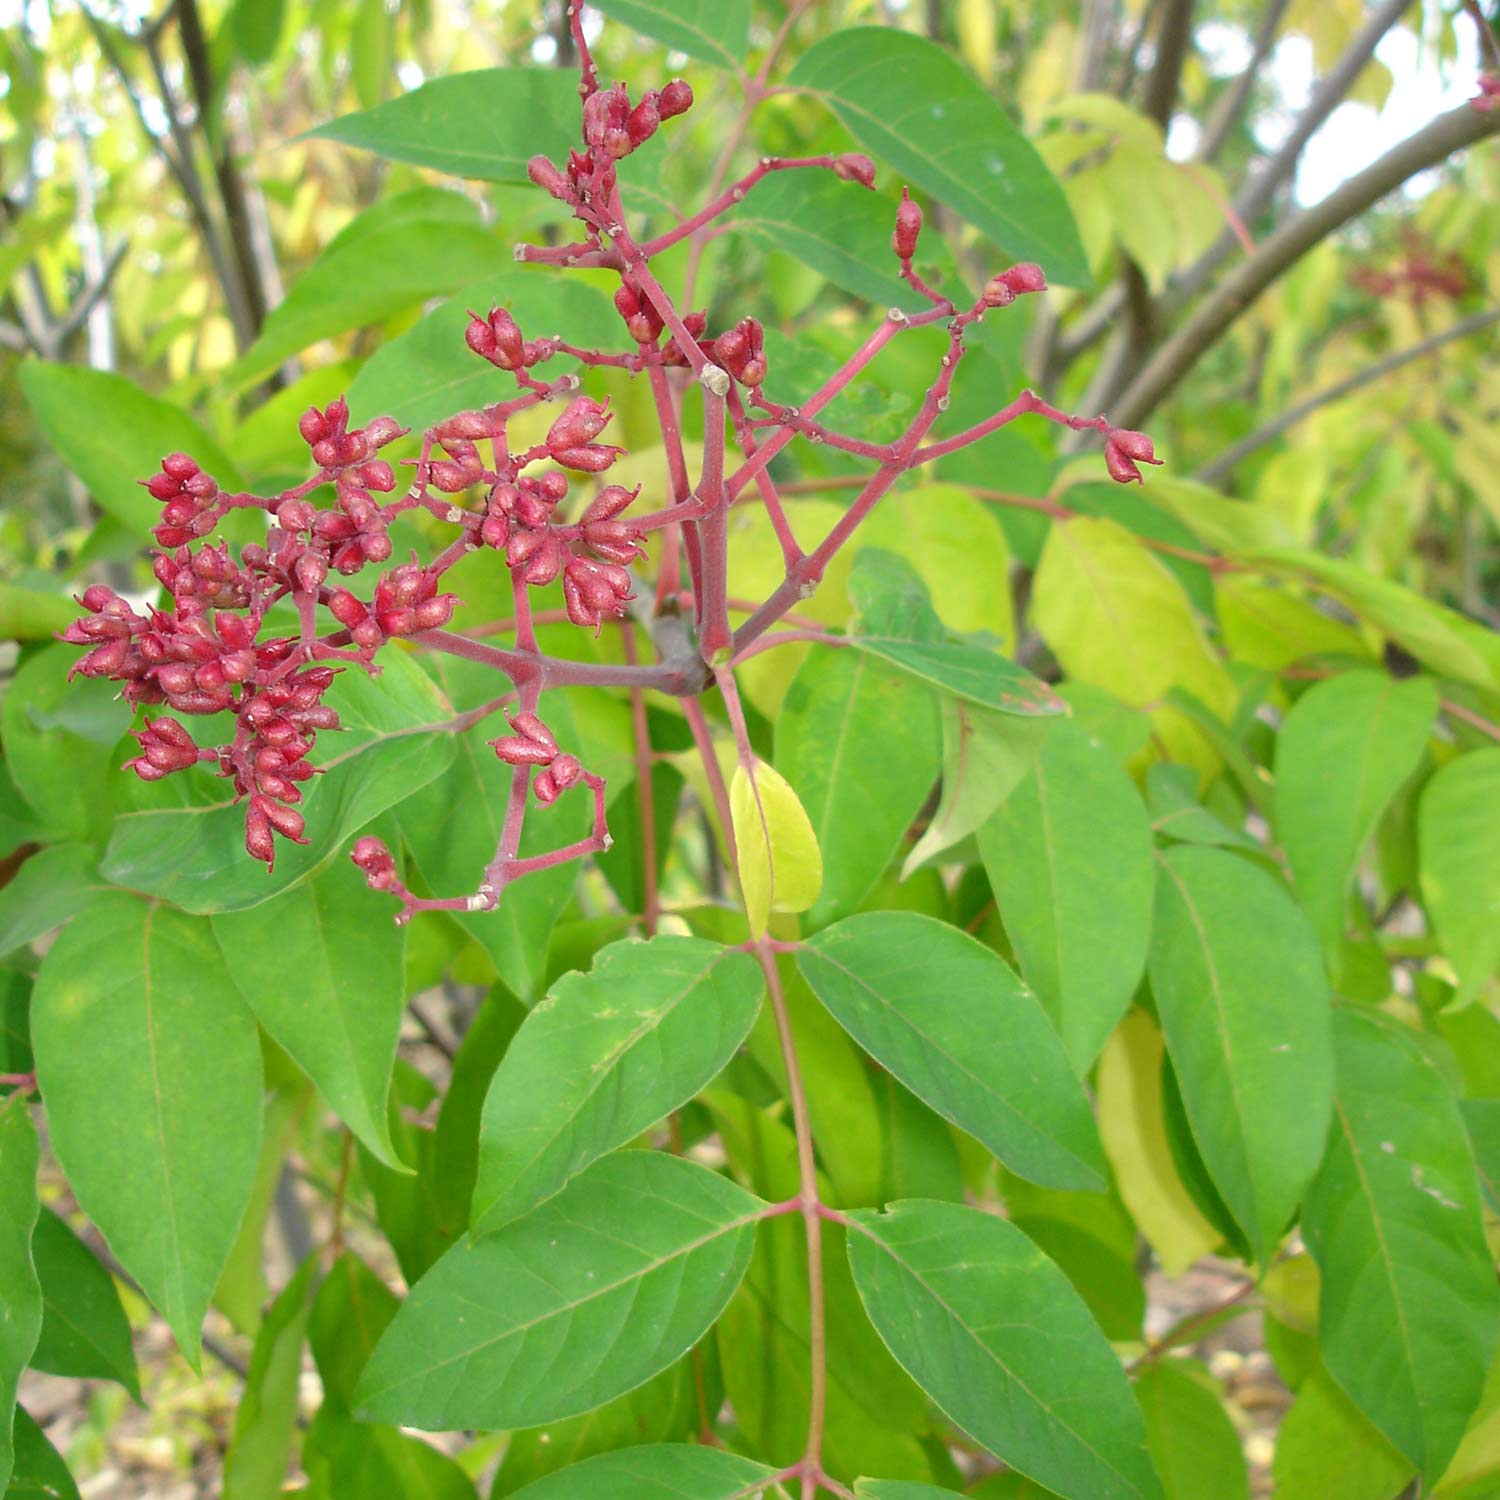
[[855, 166]]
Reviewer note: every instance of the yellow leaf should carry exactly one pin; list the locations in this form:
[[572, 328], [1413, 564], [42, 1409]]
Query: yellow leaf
[[781, 866], [978, 38], [1134, 1132]]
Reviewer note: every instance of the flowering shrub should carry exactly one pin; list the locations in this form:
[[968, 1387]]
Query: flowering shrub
[[831, 1173]]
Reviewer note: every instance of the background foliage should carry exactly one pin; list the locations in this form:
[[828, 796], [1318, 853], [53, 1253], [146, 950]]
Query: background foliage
[[1217, 952]]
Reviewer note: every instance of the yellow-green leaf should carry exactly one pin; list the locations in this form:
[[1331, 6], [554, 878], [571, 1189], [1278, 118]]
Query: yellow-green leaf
[[781, 866]]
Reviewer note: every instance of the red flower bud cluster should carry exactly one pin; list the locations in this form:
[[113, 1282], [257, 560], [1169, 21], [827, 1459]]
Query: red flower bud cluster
[[593, 590], [742, 351], [1123, 450], [406, 601], [334, 446], [604, 534], [188, 494], [570, 439], [533, 744], [165, 747], [497, 338]]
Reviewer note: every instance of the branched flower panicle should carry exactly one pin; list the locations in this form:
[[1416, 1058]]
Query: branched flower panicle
[[207, 650]]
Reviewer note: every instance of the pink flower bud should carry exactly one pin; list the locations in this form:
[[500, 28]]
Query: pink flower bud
[[433, 614], [285, 820], [1134, 445], [545, 788], [546, 176], [552, 486], [609, 502], [582, 420], [346, 609], [675, 99], [259, 843], [379, 865], [529, 725], [378, 475], [384, 430], [517, 751], [1025, 277], [565, 771], [855, 166], [295, 515], [591, 458], [180, 466], [908, 227], [1120, 467], [313, 426], [642, 122]]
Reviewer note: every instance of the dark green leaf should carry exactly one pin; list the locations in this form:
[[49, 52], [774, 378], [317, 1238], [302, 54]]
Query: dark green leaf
[[586, 1297], [718, 31], [1409, 1307], [840, 707], [606, 1055], [150, 1067], [910, 101], [85, 1332], [39, 1473], [353, 1458], [20, 1291], [1238, 980], [195, 855], [1193, 1443], [947, 1017], [656, 1471], [1068, 854], [352, 1309], [1343, 752], [487, 123], [329, 989], [992, 1331], [256, 28]]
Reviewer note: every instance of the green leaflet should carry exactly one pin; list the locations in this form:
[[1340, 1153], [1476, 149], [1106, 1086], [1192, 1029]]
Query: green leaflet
[[993, 1332], [1194, 1445], [718, 31], [1409, 1307], [586, 1297], [151, 1069], [655, 1471], [1238, 980], [947, 1017], [606, 1055], [19, 1288]]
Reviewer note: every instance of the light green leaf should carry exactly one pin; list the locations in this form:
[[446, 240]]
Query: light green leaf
[[111, 434], [780, 864], [33, 614], [150, 1066], [54, 885], [429, 372], [195, 855], [20, 1291], [1238, 980], [1409, 1308], [901, 1489], [1326, 1450], [1068, 855], [1193, 1443], [718, 31], [586, 1297], [330, 989], [1459, 832], [487, 123], [1344, 750], [910, 101], [85, 1332], [840, 705], [605, 1056], [945, 1015], [655, 1471], [255, 1463], [994, 1333]]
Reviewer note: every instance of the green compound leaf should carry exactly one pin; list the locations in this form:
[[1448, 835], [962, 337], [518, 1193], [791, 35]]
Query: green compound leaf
[[945, 1015], [1238, 979], [1068, 854], [1459, 833], [655, 1471], [20, 1291], [997, 1336], [585, 1298], [487, 123], [194, 855], [911, 102], [605, 1056], [1342, 754], [1408, 1312], [85, 1332], [329, 989], [150, 1065], [718, 31]]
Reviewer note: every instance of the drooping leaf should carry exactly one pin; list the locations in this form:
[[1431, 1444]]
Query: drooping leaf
[[112, 434], [585, 1298], [1068, 855], [1238, 980], [39, 1472], [1459, 829], [605, 1056], [19, 1288], [429, 372], [1374, 730], [993, 1332], [329, 989], [52, 886], [194, 854], [654, 1471], [718, 31], [839, 706], [945, 1015], [911, 102], [780, 864], [85, 1332], [1409, 1307], [255, 1463], [151, 1069], [487, 123], [1193, 1443]]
